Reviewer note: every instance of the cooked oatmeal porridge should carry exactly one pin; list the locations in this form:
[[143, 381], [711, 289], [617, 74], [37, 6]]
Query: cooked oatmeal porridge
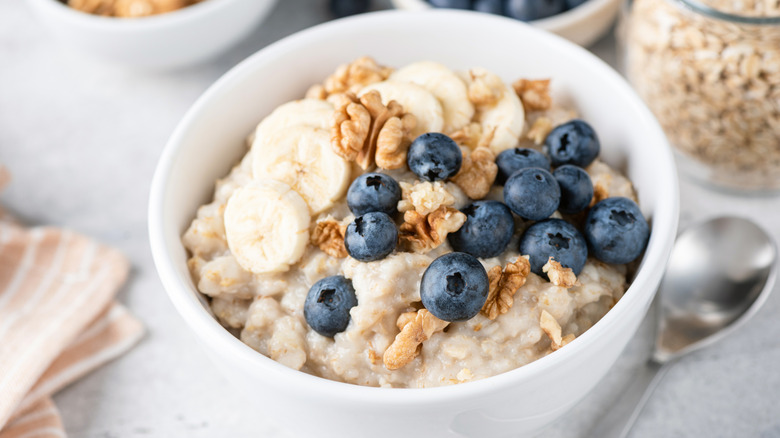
[[389, 302]]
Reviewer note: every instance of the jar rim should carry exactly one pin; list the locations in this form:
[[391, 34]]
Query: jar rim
[[701, 8]]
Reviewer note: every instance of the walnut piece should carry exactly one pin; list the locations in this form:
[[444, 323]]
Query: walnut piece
[[468, 135], [503, 284], [316, 91], [539, 130], [559, 276], [601, 188], [477, 173], [424, 197], [352, 77], [535, 94], [552, 329], [366, 131], [484, 88], [393, 141], [418, 327], [350, 125], [328, 235], [422, 233]]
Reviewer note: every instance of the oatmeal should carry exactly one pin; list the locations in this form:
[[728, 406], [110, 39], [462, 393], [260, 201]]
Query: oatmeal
[[413, 272]]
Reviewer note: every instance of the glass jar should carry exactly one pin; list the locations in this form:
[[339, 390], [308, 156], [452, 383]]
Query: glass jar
[[710, 71]]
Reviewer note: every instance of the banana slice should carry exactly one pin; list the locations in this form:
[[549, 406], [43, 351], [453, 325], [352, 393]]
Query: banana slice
[[301, 157], [443, 83], [267, 226], [504, 117], [507, 117], [306, 112], [416, 100]]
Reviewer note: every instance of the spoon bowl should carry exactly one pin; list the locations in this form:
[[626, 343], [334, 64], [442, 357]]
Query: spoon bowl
[[719, 274]]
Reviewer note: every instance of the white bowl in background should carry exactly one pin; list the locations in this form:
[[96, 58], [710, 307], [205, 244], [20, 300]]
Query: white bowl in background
[[210, 140], [583, 25], [165, 41]]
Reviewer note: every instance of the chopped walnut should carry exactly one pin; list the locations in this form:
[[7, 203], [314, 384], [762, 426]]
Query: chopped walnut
[[393, 141], [422, 233], [413, 333], [559, 276], [478, 172], [328, 235], [484, 88], [316, 91], [503, 284], [350, 125], [535, 94], [539, 130], [352, 77], [473, 136], [366, 131], [424, 197], [468, 135], [551, 327], [601, 188]]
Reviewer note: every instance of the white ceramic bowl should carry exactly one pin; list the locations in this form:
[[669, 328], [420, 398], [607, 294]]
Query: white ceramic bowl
[[175, 39], [210, 139], [583, 25]]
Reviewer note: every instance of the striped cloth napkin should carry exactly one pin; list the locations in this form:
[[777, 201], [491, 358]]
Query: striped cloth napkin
[[58, 320]]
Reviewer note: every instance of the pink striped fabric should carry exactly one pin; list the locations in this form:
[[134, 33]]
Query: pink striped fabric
[[58, 321]]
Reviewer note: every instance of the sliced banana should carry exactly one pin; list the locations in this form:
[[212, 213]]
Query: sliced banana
[[443, 83], [304, 112], [416, 100], [267, 226], [505, 118], [301, 157]]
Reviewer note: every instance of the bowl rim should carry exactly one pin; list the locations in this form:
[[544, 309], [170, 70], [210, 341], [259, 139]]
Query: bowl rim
[[131, 25], [555, 22], [665, 218]]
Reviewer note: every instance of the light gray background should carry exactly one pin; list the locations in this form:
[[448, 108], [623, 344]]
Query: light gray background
[[81, 140]]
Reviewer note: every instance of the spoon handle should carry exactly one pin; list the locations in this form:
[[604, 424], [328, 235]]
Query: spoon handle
[[617, 423]]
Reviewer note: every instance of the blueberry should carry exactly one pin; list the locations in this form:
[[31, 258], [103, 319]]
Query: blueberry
[[576, 188], [327, 305], [373, 192], [434, 157], [527, 10], [554, 238], [512, 160], [573, 142], [616, 231], [455, 4], [370, 237], [571, 4], [532, 193], [343, 8], [489, 6], [454, 287], [488, 228]]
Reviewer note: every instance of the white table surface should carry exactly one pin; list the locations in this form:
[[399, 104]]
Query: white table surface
[[82, 139]]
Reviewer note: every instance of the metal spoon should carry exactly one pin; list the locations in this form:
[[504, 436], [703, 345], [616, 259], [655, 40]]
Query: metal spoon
[[720, 273]]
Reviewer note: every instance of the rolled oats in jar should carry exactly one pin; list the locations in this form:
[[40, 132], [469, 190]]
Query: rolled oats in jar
[[710, 71]]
